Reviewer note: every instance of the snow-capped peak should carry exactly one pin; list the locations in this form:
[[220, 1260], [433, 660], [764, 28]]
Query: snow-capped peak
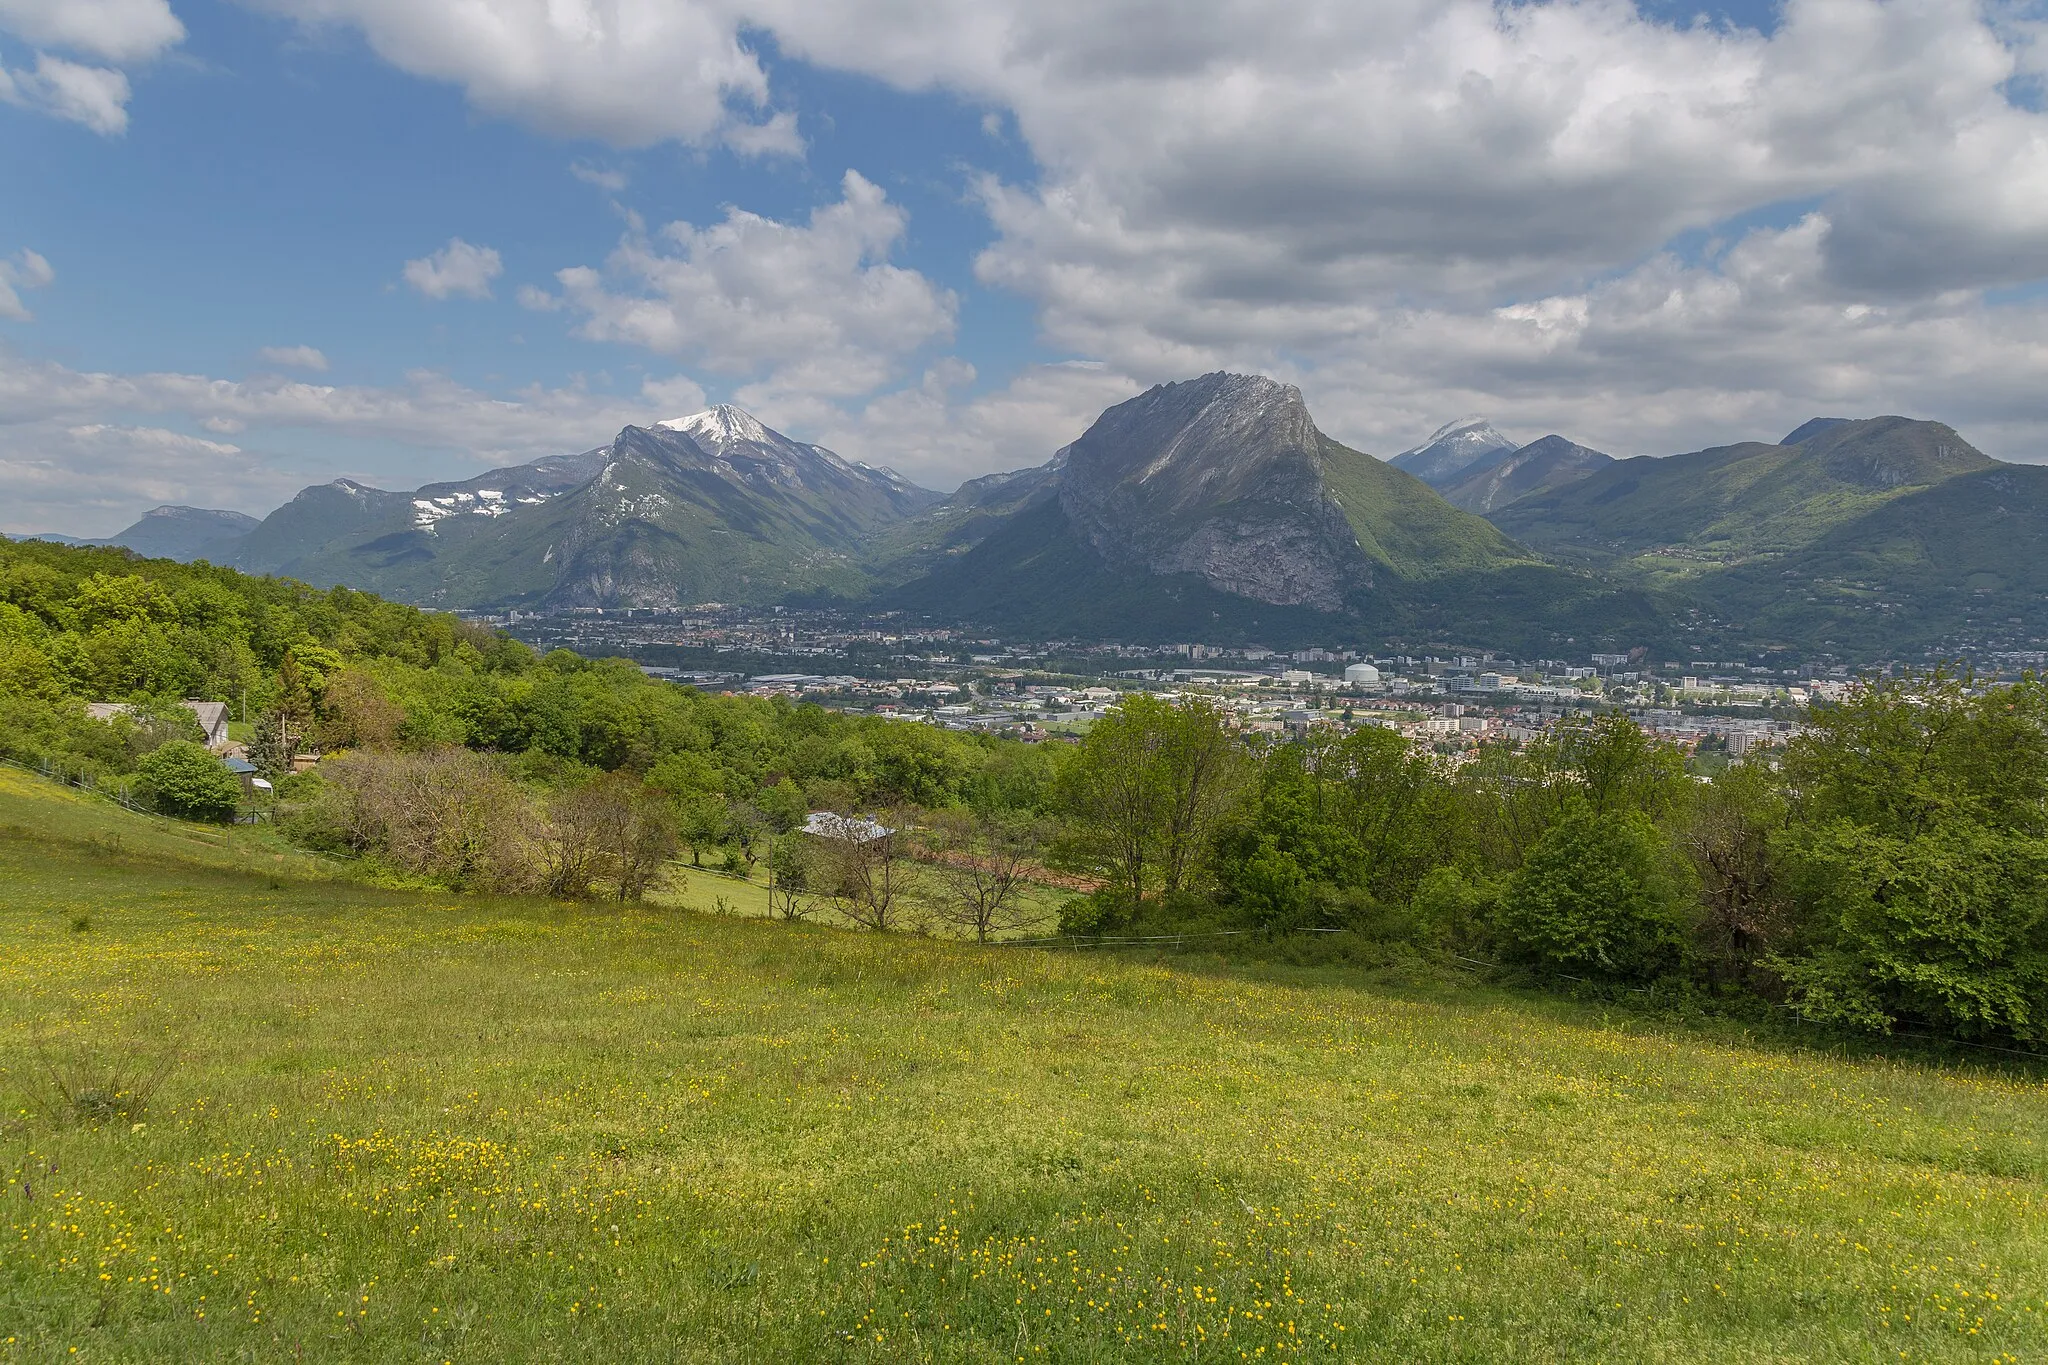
[[1475, 430], [724, 424]]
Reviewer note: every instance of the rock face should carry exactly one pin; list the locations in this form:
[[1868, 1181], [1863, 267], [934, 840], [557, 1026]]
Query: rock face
[[1453, 451], [1221, 477], [1212, 497]]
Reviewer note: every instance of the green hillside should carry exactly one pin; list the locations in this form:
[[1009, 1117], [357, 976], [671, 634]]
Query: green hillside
[[1033, 577], [1402, 523], [1680, 515], [1929, 569], [391, 1126]]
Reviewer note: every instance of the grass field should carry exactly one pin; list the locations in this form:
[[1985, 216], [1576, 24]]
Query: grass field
[[398, 1126]]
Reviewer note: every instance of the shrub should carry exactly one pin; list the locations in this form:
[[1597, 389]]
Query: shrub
[[1595, 896], [1947, 928], [186, 781]]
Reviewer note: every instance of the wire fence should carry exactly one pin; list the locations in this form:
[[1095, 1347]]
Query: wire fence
[[1140, 940], [83, 781]]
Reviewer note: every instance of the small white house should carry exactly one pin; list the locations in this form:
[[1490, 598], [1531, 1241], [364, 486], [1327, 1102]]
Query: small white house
[[853, 829]]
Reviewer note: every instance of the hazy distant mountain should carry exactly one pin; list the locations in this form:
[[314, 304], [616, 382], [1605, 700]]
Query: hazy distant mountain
[[962, 521], [1454, 450], [714, 506], [185, 533], [1537, 467], [1717, 506], [383, 541]]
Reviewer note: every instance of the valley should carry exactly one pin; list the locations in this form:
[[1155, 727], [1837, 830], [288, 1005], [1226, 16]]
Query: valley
[[1215, 511]]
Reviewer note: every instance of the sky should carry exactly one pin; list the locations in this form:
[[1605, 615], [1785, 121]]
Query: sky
[[248, 245]]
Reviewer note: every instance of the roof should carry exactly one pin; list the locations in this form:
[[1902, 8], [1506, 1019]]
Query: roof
[[856, 829], [239, 766]]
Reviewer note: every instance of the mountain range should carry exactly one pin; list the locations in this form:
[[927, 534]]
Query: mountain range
[[1215, 508]]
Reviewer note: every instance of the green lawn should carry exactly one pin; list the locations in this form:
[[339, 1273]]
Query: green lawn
[[417, 1127]]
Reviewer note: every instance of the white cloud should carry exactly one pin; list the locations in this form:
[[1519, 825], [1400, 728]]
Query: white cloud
[[774, 136], [294, 357], [611, 181], [677, 396], [96, 478], [124, 32], [629, 72], [813, 308], [95, 96], [428, 427], [938, 436], [457, 270], [1676, 356], [25, 269]]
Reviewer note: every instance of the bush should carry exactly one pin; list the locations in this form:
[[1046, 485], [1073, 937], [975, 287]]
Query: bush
[[1948, 928], [186, 781], [1595, 895], [1451, 910]]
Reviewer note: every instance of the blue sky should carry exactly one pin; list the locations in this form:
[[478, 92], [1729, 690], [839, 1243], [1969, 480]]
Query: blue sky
[[1653, 228]]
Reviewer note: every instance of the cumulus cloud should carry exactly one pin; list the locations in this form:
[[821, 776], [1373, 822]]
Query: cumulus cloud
[[803, 308], [628, 72], [937, 432], [608, 180], [1678, 355], [1414, 208], [457, 270], [25, 269], [121, 32], [429, 426], [294, 357], [93, 479], [95, 96]]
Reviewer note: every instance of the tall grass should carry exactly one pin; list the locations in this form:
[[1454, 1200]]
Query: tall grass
[[410, 1126]]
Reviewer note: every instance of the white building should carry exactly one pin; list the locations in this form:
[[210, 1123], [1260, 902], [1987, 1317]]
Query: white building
[[1361, 675]]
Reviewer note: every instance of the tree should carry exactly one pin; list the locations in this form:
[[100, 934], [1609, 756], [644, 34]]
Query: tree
[[356, 713], [1917, 859], [981, 864], [702, 818], [792, 874], [782, 806], [453, 815], [1147, 789], [187, 781], [861, 867], [1594, 896], [1726, 835], [609, 836], [281, 729]]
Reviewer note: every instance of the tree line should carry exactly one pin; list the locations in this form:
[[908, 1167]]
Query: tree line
[[1887, 871]]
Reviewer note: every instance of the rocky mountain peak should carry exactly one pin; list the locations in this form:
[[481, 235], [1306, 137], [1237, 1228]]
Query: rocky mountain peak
[[1454, 450], [723, 426], [1219, 476]]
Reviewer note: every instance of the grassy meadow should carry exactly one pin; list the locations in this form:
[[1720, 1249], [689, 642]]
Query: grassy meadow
[[390, 1125]]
